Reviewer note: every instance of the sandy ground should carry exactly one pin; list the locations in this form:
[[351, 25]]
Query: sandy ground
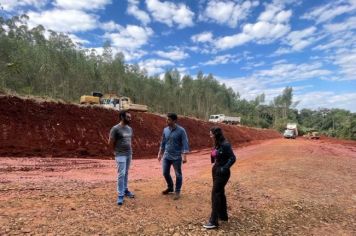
[[278, 187]]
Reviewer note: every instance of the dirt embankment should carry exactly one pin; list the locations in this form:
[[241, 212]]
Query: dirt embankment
[[32, 128]]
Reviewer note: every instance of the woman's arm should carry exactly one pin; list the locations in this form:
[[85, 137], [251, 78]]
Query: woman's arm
[[227, 150]]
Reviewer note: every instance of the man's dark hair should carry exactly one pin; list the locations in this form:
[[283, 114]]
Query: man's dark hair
[[173, 116], [122, 115]]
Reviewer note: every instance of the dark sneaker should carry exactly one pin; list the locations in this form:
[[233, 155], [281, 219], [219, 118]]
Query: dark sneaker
[[210, 225], [129, 194], [176, 196], [167, 191], [120, 200], [226, 219]]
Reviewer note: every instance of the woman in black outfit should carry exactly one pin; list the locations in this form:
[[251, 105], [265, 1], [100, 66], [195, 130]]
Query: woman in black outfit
[[223, 158]]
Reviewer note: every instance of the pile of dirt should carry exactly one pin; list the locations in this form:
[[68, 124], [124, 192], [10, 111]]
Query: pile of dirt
[[32, 128]]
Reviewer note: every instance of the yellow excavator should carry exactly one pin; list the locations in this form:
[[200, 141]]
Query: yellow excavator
[[111, 100]]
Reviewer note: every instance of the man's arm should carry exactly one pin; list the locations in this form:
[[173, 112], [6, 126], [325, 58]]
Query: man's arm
[[112, 139], [112, 142], [185, 143], [161, 148]]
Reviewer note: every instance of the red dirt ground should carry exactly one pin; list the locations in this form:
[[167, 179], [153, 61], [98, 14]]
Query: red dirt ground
[[277, 187], [49, 129]]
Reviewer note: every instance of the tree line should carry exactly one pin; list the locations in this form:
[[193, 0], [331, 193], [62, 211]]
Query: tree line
[[33, 63]]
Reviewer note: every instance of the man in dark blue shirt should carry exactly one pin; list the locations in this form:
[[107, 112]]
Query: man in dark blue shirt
[[173, 150]]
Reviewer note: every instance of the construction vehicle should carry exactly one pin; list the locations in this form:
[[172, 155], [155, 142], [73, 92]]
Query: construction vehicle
[[85, 99], [221, 118], [291, 131], [312, 134], [112, 101]]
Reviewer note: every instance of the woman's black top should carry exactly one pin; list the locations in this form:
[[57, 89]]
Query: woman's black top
[[223, 156]]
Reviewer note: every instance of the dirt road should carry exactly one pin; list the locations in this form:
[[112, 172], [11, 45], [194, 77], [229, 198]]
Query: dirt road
[[278, 187]]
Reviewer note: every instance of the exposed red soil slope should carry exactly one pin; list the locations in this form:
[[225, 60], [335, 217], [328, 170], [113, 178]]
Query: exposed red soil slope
[[33, 128]]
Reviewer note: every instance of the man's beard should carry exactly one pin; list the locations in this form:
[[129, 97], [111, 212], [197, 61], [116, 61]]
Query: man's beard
[[127, 122]]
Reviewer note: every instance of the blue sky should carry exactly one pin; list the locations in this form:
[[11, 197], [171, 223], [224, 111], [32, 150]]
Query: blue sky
[[253, 46]]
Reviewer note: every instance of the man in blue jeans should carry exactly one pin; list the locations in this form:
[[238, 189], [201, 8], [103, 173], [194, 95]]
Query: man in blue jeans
[[173, 150], [120, 139]]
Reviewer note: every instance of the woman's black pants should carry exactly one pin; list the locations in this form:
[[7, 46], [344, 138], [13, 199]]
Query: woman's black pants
[[218, 198]]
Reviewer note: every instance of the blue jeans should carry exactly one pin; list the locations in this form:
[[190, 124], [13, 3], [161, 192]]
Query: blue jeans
[[123, 166], [166, 167]]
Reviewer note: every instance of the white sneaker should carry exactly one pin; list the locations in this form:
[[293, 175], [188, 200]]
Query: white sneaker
[[210, 225]]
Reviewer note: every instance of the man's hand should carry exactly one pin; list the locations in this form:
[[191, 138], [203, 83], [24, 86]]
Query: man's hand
[[184, 158], [112, 143], [159, 156]]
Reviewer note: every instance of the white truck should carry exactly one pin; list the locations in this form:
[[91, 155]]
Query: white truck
[[291, 131], [221, 118]]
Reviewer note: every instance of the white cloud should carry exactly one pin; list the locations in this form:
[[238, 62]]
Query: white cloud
[[282, 61], [281, 51], [250, 87], [174, 55], [227, 12], [347, 63], [183, 71], [82, 4], [330, 11], [266, 30], [332, 44], [283, 16], [232, 41], [327, 99], [272, 24], [286, 73], [252, 65], [275, 14], [63, 20], [78, 40], [133, 9], [202, 49], [223, 59], [98, 50], [155, 66], [130, 38], [202, 37], [298, 40], [272, 81], [10, 5], [131, 55], [170, 13], [349, 24], [341, 37], [110, 26]]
